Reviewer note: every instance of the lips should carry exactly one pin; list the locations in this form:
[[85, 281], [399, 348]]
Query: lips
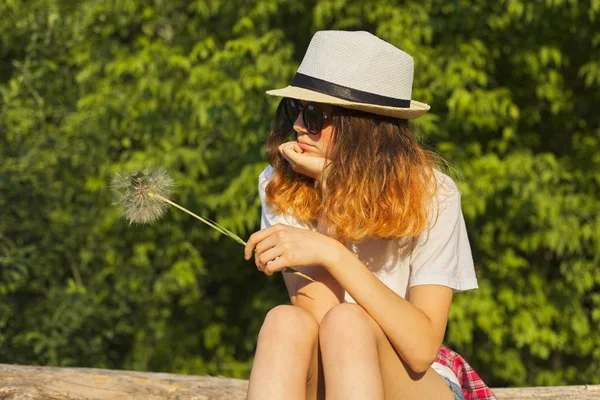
[[303, 144]]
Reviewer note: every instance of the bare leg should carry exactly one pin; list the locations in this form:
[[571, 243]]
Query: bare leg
[[285, 352], [350, 358], [360, 362], [315, 387]]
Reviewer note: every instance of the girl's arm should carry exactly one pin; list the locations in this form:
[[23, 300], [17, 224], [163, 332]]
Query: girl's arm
[[415, 327], [315, 297]]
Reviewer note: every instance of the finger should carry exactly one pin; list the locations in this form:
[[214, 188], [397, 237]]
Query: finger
[[268, 257], [255, 239], [287, 147], [281, 147], [297, 148], [284, 145], [292, 156], [277, 264], [259, 236], [289, 160], [263, 246], [290, 147], [248, 248]]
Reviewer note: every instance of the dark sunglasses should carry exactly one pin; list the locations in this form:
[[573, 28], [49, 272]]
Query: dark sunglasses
[[313, 117]]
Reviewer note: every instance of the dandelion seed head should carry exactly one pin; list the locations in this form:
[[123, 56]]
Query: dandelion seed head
[[133, 194]]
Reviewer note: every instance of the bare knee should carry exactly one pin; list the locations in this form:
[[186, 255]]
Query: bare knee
[[290, 324], [346, 323]]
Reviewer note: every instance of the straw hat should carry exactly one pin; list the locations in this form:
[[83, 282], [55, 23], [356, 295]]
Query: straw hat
[[356, 70]]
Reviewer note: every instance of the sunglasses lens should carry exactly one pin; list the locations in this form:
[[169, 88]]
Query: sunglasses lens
[[291, 109], [313, 118]]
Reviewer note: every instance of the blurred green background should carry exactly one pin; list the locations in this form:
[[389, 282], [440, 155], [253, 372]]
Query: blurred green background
[[90, 88]]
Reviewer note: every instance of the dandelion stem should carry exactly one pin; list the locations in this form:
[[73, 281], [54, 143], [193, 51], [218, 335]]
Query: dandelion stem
[[221, 229], [206, 221]]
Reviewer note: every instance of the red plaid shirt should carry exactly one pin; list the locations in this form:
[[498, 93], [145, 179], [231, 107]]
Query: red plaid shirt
[[471, 384]]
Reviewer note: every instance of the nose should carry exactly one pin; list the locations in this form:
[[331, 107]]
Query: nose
[[299, 126]]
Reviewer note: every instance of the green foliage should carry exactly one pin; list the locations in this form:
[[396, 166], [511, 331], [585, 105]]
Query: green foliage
[[91, 88]]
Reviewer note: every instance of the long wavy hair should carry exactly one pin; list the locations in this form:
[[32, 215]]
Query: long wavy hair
[[379, 183]]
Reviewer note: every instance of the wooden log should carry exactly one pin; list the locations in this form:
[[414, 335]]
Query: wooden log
[[19, 382], [583, 392], [46, 383]]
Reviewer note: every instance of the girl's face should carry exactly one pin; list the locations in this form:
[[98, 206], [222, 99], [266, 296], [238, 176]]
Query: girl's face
[[318, 144]]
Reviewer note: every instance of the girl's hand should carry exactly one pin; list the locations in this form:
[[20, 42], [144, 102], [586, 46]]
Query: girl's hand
[[281, 246], [301, 163]]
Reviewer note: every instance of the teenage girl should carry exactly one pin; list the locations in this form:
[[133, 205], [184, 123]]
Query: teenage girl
[[354, 203]]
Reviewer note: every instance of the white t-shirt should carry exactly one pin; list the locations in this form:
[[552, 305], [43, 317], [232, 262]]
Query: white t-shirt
[[440, 255]]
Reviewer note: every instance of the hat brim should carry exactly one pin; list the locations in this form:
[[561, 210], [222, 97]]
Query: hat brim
[[416, 109]]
